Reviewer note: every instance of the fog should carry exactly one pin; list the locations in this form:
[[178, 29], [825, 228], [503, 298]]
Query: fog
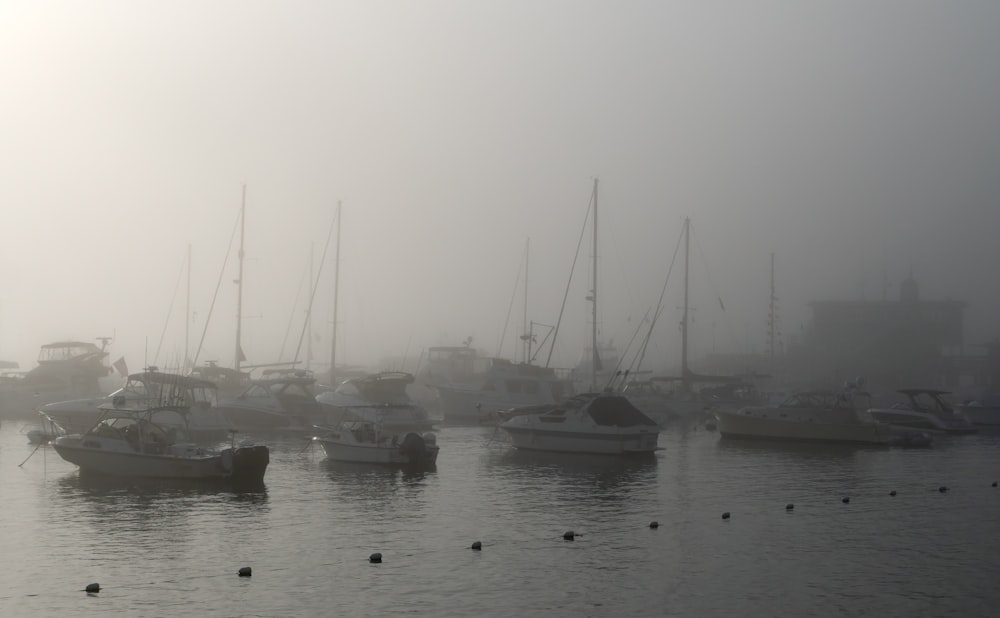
[[857, 142]]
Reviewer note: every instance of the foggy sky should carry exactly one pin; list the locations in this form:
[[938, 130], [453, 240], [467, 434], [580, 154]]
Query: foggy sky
[[856, 141]]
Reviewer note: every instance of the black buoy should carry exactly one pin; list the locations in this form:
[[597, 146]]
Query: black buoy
[[994, 483], [92, 588], [942, 489], [725, 515], [569, 535], [654, 524], [245, 572], [376, 557], [892, 493], [477, 546], [789, 506], [846, 500]]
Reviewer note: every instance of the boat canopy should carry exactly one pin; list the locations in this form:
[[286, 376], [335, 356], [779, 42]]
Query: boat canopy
[[617, 411]]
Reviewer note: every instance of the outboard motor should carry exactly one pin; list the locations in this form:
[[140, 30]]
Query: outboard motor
[[414, 447]]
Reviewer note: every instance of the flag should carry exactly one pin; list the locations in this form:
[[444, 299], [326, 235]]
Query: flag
[[121, 367]]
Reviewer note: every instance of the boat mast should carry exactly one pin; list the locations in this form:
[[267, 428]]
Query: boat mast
[[685, 381], [336, 294], [770, 317], [595, 358], [239, 284], [524, 324], [187, 313], [309, 354]]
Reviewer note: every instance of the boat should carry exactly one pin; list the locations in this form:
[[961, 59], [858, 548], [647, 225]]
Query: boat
[[829, 416], [151, 388], [284, 401], [926, 410], [380, 397], [366, 442], [150, 443], [588, 423], [506, 385], [65, 370], [982, 411]]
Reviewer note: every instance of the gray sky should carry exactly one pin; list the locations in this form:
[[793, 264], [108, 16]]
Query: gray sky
[[852, 139]]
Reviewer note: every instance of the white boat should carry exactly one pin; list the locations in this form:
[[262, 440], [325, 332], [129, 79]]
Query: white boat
[[590, 423], [380, 397], [65, 370], [150, 444], [364, 442], [149, 389], [926, 410], [283, 403], [830, 416], [983, 411]]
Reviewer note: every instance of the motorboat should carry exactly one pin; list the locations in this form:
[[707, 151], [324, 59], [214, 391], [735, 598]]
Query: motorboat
[[505, 385], [366, 442], [150, 443], [149, 389], [663, 404], [984, 411], [589, 423], [282, 402], [377, 398], [926, 410], [65, 370], [831, 416]]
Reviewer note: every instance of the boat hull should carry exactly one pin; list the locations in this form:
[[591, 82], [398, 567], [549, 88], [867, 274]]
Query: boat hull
[[354, 452], [244, 464]]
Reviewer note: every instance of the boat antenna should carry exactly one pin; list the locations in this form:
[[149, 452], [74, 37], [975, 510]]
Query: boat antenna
[[170, 310], [510, 306]]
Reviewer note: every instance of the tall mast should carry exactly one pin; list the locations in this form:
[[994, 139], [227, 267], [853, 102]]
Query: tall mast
[[336, 294], [524, 325], [239, 284], [595, 359], [771, 316], [309, 318], [685, 383], [187, 319]]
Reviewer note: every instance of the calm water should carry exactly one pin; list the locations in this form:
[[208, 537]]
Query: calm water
[[168, 550]]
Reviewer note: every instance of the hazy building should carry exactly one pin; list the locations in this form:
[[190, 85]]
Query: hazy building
[[892, 343]]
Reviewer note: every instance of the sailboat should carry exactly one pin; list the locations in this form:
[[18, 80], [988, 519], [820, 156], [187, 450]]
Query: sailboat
[[597, 422], [672, 399], [503, 384]]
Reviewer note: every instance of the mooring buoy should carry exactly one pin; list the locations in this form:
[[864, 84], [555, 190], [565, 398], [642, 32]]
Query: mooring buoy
[[245, 572], [892, 493], [477, 546], [92, 588], [942, 489], [725, 515], [654, 524], [569, 535], [789, 506], [994, 483], [376, 557], [846, 500]]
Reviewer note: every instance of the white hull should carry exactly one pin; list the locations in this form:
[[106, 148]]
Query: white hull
[[757, 425], [592, 423], [140, 465], [78, 416]]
